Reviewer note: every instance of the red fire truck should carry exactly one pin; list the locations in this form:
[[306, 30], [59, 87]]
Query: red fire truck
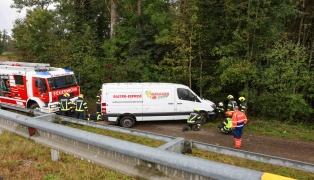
[[35, 85]]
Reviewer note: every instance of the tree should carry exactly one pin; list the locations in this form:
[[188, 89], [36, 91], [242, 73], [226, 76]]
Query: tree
[[34, 36], [244, 48], [285, 76], [4, 41]]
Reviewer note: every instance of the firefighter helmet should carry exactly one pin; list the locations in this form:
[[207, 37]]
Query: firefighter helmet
[[220, 104], [230, 97], [66, 95], [81, 96], [241, 99], [229, 113]]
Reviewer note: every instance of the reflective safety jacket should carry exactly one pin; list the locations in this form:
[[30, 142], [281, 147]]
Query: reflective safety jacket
[[98, 97], [220, 109], [228, 123], [239, 119], [80, 105], [64, 104], [243, 106], [231, 104], [194, 118]]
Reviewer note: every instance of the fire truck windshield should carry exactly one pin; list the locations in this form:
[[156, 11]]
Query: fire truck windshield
[[62, 82]]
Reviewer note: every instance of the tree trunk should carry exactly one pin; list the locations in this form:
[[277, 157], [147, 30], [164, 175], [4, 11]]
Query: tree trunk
[[190, 61], [139, 4], [139, 10], [301, 23], [113, 17]]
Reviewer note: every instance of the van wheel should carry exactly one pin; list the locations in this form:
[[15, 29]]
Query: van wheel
[[203, 117], [127, 122]]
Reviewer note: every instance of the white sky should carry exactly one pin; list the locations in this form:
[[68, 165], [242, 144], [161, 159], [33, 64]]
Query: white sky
[[8, 15]]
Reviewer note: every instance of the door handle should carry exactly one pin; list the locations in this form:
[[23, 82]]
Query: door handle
[[170, 103], [179, 103]]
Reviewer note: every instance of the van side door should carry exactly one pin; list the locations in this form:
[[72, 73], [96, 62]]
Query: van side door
[[186, 101]]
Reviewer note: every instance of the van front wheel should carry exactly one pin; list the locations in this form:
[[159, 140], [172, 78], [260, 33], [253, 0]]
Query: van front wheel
[[203, 117], [127, 122]]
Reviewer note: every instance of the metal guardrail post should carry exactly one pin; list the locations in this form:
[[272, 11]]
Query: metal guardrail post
[[55, 155], [178, 145]]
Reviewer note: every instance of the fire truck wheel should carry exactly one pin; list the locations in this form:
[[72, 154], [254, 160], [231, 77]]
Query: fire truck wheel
[[127, 122], [34, 106]]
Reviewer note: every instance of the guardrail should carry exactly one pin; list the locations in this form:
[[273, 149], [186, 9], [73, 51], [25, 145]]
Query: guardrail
[[122, 156], [303, 166]]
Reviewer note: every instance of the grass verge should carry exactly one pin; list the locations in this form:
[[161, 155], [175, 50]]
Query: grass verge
[[274, 128], [24, 159]]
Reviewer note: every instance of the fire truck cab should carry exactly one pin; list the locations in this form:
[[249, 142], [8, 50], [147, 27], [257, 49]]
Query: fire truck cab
[[35, 85]]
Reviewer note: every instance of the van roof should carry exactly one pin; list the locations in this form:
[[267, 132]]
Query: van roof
[[143, 83]]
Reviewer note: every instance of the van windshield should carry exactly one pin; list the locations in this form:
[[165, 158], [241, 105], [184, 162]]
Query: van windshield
[[62, 82]]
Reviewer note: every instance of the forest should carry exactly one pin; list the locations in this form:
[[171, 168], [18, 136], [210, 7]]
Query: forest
[[259, 49]]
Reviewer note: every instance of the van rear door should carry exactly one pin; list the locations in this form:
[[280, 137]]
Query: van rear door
[[158, 102]]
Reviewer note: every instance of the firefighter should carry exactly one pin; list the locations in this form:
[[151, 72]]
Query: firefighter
[[239, 119], [65, 105], [98, 105], [242, 104], [194, 121], [7, 85], [220, 108], [231, 103], [226, 126], [80, 107]]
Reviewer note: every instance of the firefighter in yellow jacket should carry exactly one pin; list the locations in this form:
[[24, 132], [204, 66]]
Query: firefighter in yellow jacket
[[80, 107], [242, 104], [98, 105], [65, 105]]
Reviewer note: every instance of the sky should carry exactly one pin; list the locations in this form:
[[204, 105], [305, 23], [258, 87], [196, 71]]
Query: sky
[[8, 15]]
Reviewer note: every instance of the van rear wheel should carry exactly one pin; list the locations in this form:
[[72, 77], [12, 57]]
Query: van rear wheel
[[127, 122]]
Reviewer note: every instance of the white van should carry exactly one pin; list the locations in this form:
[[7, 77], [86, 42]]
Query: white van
[[127, 103]]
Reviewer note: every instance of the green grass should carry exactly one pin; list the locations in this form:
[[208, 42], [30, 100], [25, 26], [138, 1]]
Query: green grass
[[24, 159], [118, 135]]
